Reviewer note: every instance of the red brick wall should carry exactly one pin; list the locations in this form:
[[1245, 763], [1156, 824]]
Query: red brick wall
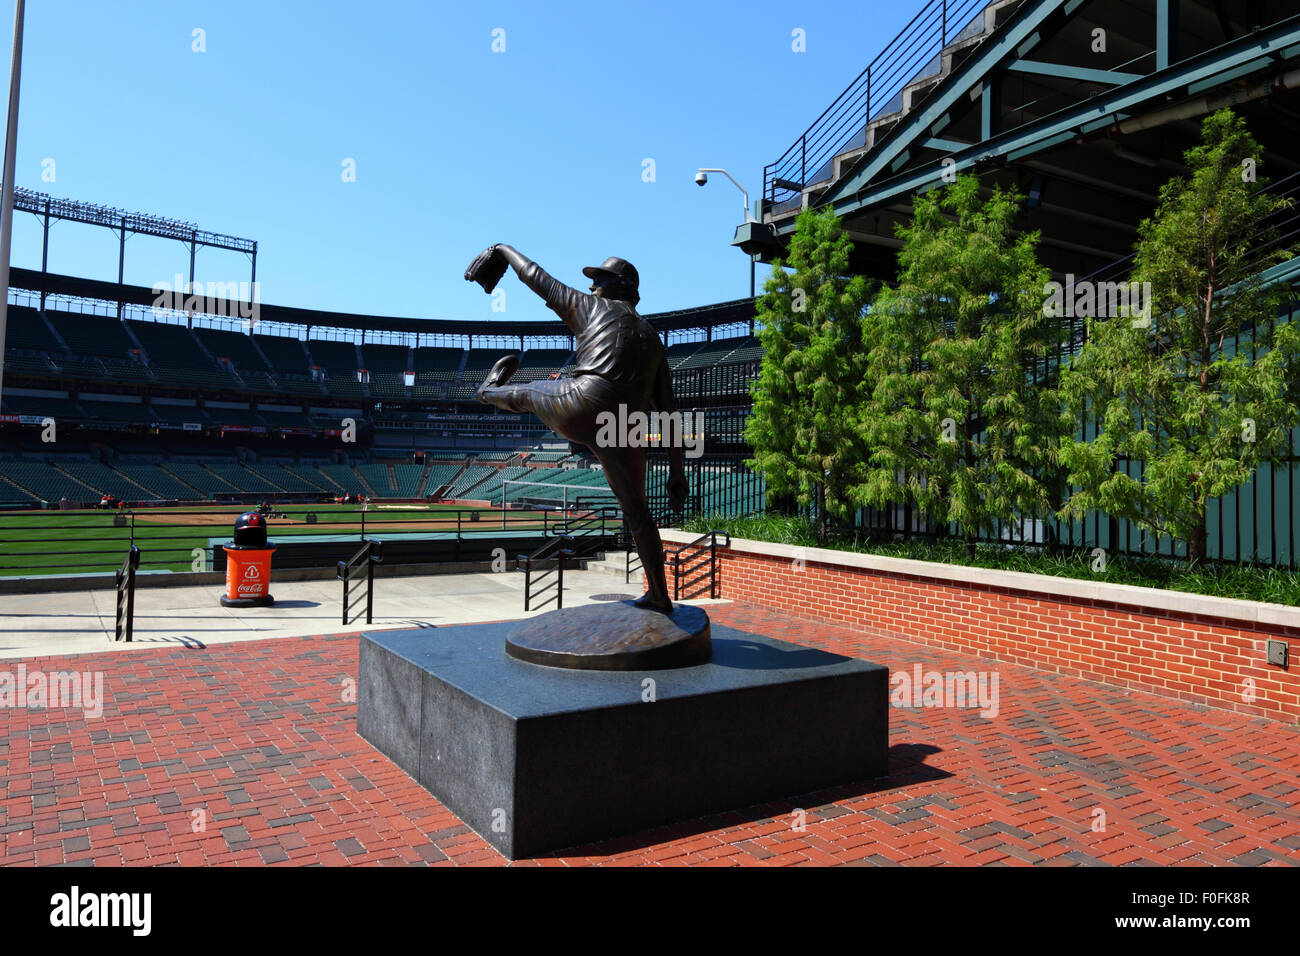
[[1198, 659]]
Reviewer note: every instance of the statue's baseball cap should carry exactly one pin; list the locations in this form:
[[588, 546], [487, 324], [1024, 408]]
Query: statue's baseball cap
[[616, 267]]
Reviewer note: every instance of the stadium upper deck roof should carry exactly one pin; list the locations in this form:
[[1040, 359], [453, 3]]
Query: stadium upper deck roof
[[1085, 106], [707, 317]]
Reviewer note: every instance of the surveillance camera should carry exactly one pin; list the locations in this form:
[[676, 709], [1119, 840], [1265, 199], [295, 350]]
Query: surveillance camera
[[701, 178]]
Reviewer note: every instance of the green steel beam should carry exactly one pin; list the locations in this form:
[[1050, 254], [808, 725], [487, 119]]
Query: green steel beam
[[990, 108], [1166, 33], [1259, 63], [1015, 38], [1018, 32], [1109, 77], [945, 145], [852, 193]]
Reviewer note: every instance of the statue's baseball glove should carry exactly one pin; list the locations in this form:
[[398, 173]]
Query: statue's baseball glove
[[487, 268]]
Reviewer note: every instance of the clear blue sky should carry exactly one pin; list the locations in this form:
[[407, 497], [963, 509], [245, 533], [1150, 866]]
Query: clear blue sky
[[456, 147]]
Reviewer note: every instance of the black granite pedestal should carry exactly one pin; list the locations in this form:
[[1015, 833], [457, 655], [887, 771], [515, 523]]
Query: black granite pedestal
[[539, 758]]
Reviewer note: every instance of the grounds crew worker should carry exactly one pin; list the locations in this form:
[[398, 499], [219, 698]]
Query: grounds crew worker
[[618, 360]]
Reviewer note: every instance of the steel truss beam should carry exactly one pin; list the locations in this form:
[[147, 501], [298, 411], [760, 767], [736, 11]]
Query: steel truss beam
[[1257, 51]]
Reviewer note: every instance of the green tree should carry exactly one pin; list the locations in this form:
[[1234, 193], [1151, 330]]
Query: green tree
[[1176, 394], [811, 377], [962, 420]]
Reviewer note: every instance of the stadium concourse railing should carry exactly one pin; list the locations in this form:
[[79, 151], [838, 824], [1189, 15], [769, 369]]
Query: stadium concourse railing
[[38, 543]]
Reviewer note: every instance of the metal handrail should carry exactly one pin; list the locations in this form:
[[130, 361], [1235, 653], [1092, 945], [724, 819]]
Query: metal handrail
[[124, 619], [367, 556], [168, 544], [899, 64], [673, 556], [540, 555]]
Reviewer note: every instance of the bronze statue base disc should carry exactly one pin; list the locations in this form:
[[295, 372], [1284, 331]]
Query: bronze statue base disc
[[613, 637]]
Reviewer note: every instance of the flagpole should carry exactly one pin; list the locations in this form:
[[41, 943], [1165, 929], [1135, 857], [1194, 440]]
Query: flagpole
[[7, 204]]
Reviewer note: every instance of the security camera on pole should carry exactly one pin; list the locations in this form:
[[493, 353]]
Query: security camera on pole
[[702, 179]]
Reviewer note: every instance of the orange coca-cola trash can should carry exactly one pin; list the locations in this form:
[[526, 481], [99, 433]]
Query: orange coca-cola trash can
[[248, 564]]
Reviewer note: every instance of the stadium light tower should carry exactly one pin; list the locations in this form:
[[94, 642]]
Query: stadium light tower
[[7, 204], [701, 179]]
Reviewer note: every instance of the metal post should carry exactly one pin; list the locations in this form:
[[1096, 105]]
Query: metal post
[[121, 266], [370, 584], [45, 251], [343, 567], [945, 26], [868, 122], [130, 595], [559, 580], [713, 566], [252, 286], [7, 203]]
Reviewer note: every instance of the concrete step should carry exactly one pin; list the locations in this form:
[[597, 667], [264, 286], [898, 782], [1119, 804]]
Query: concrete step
[[615, 563]]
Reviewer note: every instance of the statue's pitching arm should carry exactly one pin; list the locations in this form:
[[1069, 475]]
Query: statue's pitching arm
[[568, 303]]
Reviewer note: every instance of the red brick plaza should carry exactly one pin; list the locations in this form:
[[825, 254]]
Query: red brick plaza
[[248, 754]]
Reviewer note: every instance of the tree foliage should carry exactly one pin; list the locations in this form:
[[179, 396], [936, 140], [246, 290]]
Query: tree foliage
[[801, 428], [961, 420], [1185, 411]]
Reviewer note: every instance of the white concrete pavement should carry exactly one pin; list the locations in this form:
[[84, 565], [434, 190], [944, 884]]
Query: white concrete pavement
[[79, 622]]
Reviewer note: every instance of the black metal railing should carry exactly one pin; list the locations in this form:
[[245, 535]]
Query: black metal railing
[[352, 572], [876, 91], [544, 570], [631, 558], [581, 532], [125, 617], [187, 539], [695, 567]]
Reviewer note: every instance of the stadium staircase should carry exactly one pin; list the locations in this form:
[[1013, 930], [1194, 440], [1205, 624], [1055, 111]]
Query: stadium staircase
[[104, 480], [616, 563], [893, 85], [365, 484], [54, 333], [424, 477]]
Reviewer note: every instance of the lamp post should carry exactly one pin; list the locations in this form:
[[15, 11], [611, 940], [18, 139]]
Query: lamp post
[[7, 203], [701, 178]]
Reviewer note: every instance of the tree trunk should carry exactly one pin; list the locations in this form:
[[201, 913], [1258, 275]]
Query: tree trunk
[[1196, 544]]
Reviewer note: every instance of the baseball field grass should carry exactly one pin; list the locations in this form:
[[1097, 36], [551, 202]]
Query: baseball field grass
[[177, 539]]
